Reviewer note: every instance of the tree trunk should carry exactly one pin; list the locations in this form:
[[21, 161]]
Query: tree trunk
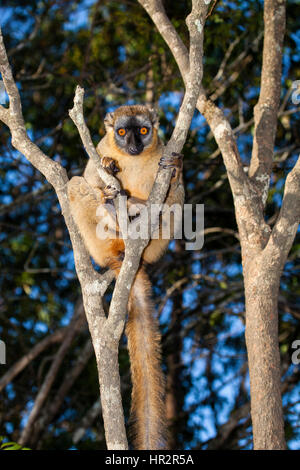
[[111, 400], [261, 293]]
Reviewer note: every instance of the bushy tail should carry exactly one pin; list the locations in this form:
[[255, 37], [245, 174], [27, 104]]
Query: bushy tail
[[144, 342]]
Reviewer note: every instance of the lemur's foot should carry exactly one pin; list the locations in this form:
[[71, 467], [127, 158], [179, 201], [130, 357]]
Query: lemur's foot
[[110, 165], [110, 193], [172, 161]]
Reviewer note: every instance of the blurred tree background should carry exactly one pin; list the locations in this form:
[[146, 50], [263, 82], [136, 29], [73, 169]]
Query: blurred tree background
[[113, 50]]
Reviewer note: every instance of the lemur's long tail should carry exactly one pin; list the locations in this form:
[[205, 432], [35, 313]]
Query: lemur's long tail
[[147, 417], [144, 344]]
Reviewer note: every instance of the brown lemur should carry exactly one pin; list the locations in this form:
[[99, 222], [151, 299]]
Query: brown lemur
[[132, 150]]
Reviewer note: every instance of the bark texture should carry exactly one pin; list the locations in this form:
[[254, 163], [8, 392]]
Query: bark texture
[[105, 331], [264, 249]]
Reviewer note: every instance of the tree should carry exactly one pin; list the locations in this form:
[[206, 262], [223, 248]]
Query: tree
[[105, 332], [264, 250], [218, 296]]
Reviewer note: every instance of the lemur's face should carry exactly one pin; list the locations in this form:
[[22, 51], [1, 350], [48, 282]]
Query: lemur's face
[[133, 133]]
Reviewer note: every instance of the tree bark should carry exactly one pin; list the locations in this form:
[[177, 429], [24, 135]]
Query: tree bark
[[261, 294], [105, 331], [264, 250]]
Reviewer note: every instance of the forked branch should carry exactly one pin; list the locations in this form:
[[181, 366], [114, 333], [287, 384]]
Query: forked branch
[[105, 332]]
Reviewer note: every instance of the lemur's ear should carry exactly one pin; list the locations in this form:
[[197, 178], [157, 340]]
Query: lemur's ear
[[109, 120], [153, 115]]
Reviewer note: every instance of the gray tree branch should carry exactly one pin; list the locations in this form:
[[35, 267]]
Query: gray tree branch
[[92, 284], [105, 333], [263, 251], [265, 112]]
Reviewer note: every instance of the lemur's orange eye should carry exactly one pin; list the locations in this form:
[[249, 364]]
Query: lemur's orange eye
[[144, 130], [121, 132]]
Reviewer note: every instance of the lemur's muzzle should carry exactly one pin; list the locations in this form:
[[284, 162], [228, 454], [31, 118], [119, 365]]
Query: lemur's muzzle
[[134, 144]]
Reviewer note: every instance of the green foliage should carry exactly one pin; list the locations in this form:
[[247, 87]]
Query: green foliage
[[10, 445]]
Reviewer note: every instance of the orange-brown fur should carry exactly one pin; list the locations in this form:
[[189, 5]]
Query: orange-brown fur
[[136, 175], [144, 344]]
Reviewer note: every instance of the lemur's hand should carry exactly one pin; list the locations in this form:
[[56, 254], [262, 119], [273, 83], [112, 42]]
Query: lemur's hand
[[172, 161], [110, 165]]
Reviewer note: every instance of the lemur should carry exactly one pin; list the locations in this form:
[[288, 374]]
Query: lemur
[[132, 151]]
